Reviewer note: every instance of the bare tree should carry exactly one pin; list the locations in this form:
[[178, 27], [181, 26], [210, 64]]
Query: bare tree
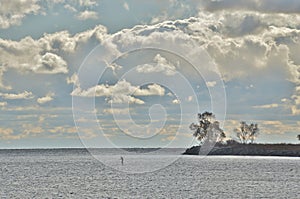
[[247, 132], [207, 128]]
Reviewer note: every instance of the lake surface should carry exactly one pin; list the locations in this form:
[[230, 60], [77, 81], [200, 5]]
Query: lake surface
[[162, 174]]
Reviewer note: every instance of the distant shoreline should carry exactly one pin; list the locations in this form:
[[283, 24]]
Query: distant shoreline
[[81, 148], [237, 149]]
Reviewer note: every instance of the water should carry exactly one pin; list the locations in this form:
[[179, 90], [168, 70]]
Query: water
[[77, 174]]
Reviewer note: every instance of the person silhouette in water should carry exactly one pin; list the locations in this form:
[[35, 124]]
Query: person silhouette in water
[[122, 160]]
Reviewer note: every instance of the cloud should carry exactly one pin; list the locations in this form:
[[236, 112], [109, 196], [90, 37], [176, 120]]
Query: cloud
[[121, 92], [50, 63], [121, 99], [13, 12], [27, 55], [2, 85], [74, 3], [71, 132], [43, 117], [8, 134], [174, 9], [152, 89], [266, 106], [70, 8], [176, 101], [190, 98], [242, 42], [162, 65], [73, 80], [169, 138], [272, 122], [237, 50], [279, 127], [44, 55], [211, 84], [2, 104], [87, 15], [63, 129], [87, 3], [287, 6], [118, 111], [126, 6], [114, 67], [13, 96], [31, 130], [251, 86], [170, 94], [47, 98], [267, 127]]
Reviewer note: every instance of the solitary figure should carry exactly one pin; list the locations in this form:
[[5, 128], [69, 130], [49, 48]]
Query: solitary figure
[[122, 160]]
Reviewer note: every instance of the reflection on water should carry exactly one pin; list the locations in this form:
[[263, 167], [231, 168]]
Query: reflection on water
[[76, 174]]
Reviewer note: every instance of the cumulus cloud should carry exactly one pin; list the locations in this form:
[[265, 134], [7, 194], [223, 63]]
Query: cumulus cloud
[[44, 55], [153, 89], [121, 99], [121, 92], [87, 15], [122, 87], [29, 55], [242, 42], [13, 96], [162, 65], [237, 51], [13, 12], [45, 99], [50, 63]]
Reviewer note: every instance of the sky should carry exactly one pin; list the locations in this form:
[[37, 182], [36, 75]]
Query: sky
[[135, 73]]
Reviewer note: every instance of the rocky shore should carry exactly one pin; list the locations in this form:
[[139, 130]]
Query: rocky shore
[[290, 150]]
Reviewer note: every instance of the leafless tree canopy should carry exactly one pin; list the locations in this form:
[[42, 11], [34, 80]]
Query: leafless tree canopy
[[247, 133]]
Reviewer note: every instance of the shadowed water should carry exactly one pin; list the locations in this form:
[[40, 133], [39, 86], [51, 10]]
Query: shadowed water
[[76, 174]]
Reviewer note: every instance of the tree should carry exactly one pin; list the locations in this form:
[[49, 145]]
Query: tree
[[298, 136], [207, 128], [247, 132]]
